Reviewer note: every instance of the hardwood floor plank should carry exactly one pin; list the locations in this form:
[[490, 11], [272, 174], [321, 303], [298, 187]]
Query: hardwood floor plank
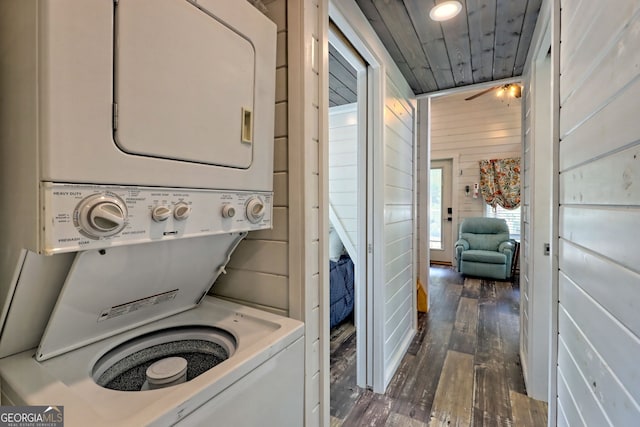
[[335, 422], [424, 389], [489, 347], [398, 420], [471, 288], [453, 402], [359, 409], [343, 361], [464, 336], [344, 391], [421, 332], [376, 414], [405, 371], [527, 412], [340, 334], [416, 397], [491, 395]]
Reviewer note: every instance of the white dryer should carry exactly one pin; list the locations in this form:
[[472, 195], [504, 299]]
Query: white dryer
[[136, 155]]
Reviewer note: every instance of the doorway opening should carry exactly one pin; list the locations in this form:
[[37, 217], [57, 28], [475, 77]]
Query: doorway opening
[[349, 218], [441, 212]]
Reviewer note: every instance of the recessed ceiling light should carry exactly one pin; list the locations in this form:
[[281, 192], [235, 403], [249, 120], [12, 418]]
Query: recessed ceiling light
[[445, 10]]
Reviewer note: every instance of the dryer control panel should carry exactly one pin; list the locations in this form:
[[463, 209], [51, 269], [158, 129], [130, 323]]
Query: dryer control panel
[[78, 217]]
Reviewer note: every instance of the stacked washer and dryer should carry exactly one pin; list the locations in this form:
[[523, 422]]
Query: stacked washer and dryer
[[137, 152]]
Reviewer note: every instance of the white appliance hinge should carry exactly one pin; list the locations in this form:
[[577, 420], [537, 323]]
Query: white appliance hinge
[[370, 248], [114, 112]]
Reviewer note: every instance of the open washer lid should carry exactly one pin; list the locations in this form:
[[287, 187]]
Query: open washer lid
[[110, 291]]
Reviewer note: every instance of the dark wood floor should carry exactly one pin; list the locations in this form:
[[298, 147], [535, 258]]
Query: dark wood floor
[[462, 368]]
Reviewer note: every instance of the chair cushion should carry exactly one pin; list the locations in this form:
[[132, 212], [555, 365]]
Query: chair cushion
[[488, 257], [485, 242]]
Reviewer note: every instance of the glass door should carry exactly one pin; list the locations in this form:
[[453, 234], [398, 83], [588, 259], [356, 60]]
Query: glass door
[[440, 212]]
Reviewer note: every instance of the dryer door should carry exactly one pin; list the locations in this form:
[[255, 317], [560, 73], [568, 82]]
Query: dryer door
[[184, 84]]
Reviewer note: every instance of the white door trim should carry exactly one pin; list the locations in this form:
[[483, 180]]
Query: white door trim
[[446, 201], [362, 284], [339, 13]]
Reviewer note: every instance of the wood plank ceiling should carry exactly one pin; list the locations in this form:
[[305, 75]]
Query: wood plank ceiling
[[487, 41], [343, 80]]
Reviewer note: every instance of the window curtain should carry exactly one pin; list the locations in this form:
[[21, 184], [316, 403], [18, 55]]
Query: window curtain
[[500, 182]]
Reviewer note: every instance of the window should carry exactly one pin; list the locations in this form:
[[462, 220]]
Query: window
[[436, 209], [512, 216]]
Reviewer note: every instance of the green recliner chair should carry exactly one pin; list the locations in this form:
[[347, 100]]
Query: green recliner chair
[[484, 248]]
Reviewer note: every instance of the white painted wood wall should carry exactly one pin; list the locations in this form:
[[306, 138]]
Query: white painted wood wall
[[343, 174], [399, 226], [599, 248], [487, 127]]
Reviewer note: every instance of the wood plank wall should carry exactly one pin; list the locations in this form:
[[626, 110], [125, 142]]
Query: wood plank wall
[[599, 261], [487, 127], [343, 171], [400, 271], [258, 273]]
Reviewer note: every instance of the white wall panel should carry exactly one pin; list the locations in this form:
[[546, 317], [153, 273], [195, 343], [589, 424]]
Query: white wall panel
[[616, 66], [487, 127], [616, 124], [343, 173], [399, 271], [568, 405], [599, 329], [610, 231], [586, 403], [592, 271], [611, 178]]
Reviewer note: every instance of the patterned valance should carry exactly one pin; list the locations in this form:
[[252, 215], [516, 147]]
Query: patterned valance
[[500, 182]]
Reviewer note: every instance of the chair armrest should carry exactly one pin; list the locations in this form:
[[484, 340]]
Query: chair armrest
[[506, 245], [508, 248], [462, 243], [461, 246]]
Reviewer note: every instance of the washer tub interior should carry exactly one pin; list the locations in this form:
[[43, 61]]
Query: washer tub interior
[[163, 358]]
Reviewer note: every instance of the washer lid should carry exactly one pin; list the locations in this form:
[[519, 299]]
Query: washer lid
[[184, 83], [110, 291]]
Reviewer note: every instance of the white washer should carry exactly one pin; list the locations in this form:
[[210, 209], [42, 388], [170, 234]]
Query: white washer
[[139, 153], [259, 383]]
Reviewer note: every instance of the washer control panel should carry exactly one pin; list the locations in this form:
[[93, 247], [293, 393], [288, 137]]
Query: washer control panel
[[78, 217]]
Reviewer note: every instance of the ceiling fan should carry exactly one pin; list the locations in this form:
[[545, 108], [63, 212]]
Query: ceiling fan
[[513, 90]]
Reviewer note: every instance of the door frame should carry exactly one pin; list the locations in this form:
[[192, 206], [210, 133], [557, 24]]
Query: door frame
[[371, 376], [362, 262], [451, 237], [455, 182]]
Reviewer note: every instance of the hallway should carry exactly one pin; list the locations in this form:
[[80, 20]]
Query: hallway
[[462, 368]]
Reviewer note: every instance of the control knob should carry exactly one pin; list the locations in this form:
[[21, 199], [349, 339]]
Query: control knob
[[181, 211], [228, 211], [101, 215], [255, 209], [160, 213]]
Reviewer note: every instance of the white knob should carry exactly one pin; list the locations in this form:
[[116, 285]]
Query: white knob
[[228, 211], [101, 215], [160, 213], [255, 210], [181, 211], [106, 217]]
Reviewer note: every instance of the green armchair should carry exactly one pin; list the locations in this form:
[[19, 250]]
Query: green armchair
[[484, 248]]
